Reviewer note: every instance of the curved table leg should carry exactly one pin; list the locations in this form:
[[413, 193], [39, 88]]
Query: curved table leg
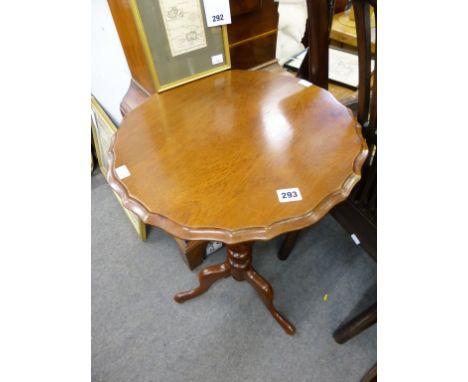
[[265, 291], [238, 264], [206, 278]]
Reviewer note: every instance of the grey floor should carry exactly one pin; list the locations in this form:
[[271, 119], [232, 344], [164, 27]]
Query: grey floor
[[140, 334]]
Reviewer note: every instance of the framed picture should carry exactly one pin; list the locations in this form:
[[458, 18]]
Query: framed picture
[[344, 67], [178, 45], [103, 129]]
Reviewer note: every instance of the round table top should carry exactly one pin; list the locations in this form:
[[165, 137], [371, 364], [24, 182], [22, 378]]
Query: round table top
[[205, 160]]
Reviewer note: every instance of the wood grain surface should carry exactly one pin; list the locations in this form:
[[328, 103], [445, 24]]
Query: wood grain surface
[[207, 158], [131, 43], [343, 31]]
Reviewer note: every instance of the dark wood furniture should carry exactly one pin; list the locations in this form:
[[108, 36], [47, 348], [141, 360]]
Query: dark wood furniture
[[314, 67], [358, 213], [371, 375], [264, 132], [252, 34], [356, 325], [353, 327]]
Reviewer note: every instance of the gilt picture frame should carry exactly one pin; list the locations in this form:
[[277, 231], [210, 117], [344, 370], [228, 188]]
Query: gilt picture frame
[[103, 129], [178, 45]]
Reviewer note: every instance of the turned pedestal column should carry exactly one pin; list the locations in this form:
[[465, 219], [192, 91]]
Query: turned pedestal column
[[238, 264]]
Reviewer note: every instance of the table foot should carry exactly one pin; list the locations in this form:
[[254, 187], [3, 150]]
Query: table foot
[[238, 265], [206, 278], [265, 291]]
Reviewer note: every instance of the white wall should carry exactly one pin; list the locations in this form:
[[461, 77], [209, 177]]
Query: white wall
[[110, 76]]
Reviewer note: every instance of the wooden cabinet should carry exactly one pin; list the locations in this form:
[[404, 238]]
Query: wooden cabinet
[[252, 34]]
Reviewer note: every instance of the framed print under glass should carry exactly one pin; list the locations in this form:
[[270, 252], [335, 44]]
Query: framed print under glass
[[103, 129], [179, 47]]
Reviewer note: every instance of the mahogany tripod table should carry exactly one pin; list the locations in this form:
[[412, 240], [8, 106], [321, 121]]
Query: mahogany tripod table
[[236, 157]]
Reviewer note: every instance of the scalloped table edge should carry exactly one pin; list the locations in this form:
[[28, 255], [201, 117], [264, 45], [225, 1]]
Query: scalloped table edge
[[241, 235]]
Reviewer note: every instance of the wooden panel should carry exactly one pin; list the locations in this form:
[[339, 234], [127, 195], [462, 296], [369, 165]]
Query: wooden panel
[[135, 96], [241, 7], [254, 52], [356, 222], [193, 252], [132, 46], [254, 23], [252, 34]]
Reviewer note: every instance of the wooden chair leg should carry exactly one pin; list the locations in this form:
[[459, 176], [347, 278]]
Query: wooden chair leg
[[288, 245], [356, 325], [371, 375]]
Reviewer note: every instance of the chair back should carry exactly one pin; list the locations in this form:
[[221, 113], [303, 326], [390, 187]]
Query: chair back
[[367, 94], [314, 67], [364, 195], [358, 214]]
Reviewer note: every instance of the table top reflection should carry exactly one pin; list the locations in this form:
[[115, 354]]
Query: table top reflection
[[205, 160]]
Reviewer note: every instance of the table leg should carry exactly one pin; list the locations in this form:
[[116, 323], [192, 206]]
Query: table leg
[[265, 291], [206, 278], [238, 264]]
